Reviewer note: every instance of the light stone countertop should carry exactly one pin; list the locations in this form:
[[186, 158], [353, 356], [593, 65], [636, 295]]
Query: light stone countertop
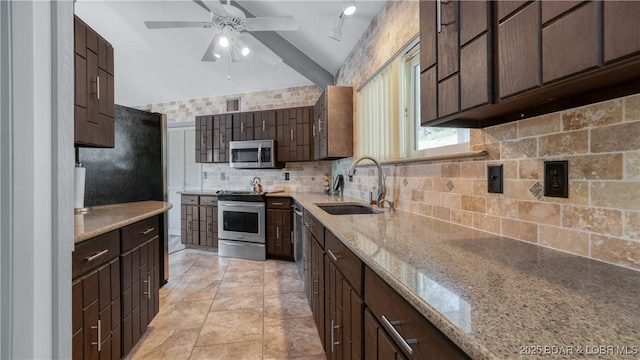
[[489, 294], [105, 218]]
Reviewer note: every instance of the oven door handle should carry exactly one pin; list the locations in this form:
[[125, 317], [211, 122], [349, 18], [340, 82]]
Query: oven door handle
[[233, 243], [261, 205]]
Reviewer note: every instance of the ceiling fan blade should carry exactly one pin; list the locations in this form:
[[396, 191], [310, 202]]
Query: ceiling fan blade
[[272, 23], [176, 24], [213, 6], [208, 54], [261, 50]]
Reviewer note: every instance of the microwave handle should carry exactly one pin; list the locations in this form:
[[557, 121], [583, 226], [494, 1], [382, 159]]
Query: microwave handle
[[259, 155]]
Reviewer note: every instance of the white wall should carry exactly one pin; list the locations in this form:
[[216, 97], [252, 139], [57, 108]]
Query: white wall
[[36, 152]]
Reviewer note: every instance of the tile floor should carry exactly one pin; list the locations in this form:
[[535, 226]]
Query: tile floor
[[220, 308]]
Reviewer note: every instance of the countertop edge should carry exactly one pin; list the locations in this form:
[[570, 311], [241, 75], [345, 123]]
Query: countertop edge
[[468, 344], [117, 225]]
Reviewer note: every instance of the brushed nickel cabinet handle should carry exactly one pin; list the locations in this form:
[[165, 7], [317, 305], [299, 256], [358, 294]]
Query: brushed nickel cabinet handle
[[277, 233], [241, 127], [99, 328], [96, 255], [98, 86], [405, 343], [277, 204], [148, 281], [291, 134], [333, 334], [147, 231], [332, 255]]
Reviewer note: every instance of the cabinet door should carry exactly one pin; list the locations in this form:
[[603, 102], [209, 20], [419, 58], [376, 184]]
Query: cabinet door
[[264, 125], [222, 134], [569, 44], [190, 225], [243, 126], [279, 233], [283, 137], [320, 128], [448, 40], [209, 226], [204, 139], [300, 131], [519, 51], [377, 344], [317, 286], [621, 36], [475, 41], [428, 33]]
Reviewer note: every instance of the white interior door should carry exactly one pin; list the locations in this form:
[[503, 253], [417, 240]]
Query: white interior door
[[183, 173]]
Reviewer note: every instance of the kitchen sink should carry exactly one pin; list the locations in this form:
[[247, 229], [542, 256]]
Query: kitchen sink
[[348, 209]]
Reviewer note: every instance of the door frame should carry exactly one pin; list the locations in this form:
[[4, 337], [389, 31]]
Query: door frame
[[36, 178]]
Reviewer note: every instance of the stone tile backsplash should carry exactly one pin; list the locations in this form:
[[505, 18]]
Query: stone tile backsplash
[[601, 217]]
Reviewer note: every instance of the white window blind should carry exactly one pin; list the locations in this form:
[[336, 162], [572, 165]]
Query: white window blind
[[379, 115]]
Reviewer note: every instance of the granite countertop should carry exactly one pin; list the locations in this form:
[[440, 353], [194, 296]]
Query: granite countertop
[[495, 297], [213, 193], [105, 218]]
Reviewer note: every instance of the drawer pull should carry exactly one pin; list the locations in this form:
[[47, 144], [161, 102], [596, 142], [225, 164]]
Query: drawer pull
[[277, 233], [332, 255], [147, 231], [333, 334], [148, 281], [308, 225], [405, 343], [96, 255], [277, 203], [99, 328]]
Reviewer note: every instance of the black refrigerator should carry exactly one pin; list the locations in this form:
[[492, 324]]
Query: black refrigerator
[[133, 170]]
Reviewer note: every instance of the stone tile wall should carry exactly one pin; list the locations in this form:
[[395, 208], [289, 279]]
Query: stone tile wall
[[187, 110], [601, 217], [306, 177]]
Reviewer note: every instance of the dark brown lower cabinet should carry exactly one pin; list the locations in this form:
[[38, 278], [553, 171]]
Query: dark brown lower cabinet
[[140, 279], [316, 285], [377, 344], [95, 298], [199, 220], [414, 335], [279, 226]]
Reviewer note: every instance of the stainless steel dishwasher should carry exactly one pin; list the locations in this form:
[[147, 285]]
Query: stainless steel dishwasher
[[297, 239]]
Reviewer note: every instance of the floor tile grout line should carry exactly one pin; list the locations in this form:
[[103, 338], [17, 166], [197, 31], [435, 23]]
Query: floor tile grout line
[[207, 315]]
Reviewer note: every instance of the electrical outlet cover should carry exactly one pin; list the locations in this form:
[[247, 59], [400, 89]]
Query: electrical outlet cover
[[556, 178], [495, 179]]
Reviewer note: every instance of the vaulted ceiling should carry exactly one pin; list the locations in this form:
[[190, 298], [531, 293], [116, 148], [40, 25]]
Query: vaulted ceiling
[[163, 65]]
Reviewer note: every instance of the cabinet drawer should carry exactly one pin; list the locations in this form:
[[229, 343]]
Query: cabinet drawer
[[90, 254], [315, 227], [189, 199], [390, 308], [348, 263], [207, 200], [279, 203], [136, 234]]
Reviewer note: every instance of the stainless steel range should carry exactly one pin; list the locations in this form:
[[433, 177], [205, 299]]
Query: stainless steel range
[[241, 225]]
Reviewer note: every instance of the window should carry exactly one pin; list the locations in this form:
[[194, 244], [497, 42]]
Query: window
[[388, 121]]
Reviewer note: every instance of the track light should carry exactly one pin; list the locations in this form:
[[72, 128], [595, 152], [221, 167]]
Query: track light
[[336, 32], [350, 7]]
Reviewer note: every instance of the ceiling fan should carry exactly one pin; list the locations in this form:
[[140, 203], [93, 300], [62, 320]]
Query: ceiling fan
[[232, 30]]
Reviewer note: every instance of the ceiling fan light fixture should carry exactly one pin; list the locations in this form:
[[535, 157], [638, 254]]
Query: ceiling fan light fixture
[[224, 41], [350, 7], [245, 51]]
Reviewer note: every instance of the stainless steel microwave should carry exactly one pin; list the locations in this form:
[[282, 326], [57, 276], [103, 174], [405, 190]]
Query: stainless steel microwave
[[253, 154]]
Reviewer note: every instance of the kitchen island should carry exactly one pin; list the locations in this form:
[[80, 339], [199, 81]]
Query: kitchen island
[[494, 297]]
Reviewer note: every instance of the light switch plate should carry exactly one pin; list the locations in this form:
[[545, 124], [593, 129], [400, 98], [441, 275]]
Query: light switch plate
[[556, 178], [495, 179]]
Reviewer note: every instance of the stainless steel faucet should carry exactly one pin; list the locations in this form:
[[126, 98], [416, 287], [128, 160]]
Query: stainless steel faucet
[[382, 189]]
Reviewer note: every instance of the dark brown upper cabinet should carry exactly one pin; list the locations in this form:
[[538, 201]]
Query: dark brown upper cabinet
[[243, 126], [455, 43], [333, 124], [94, 88], [294, 134], [524, 58]]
